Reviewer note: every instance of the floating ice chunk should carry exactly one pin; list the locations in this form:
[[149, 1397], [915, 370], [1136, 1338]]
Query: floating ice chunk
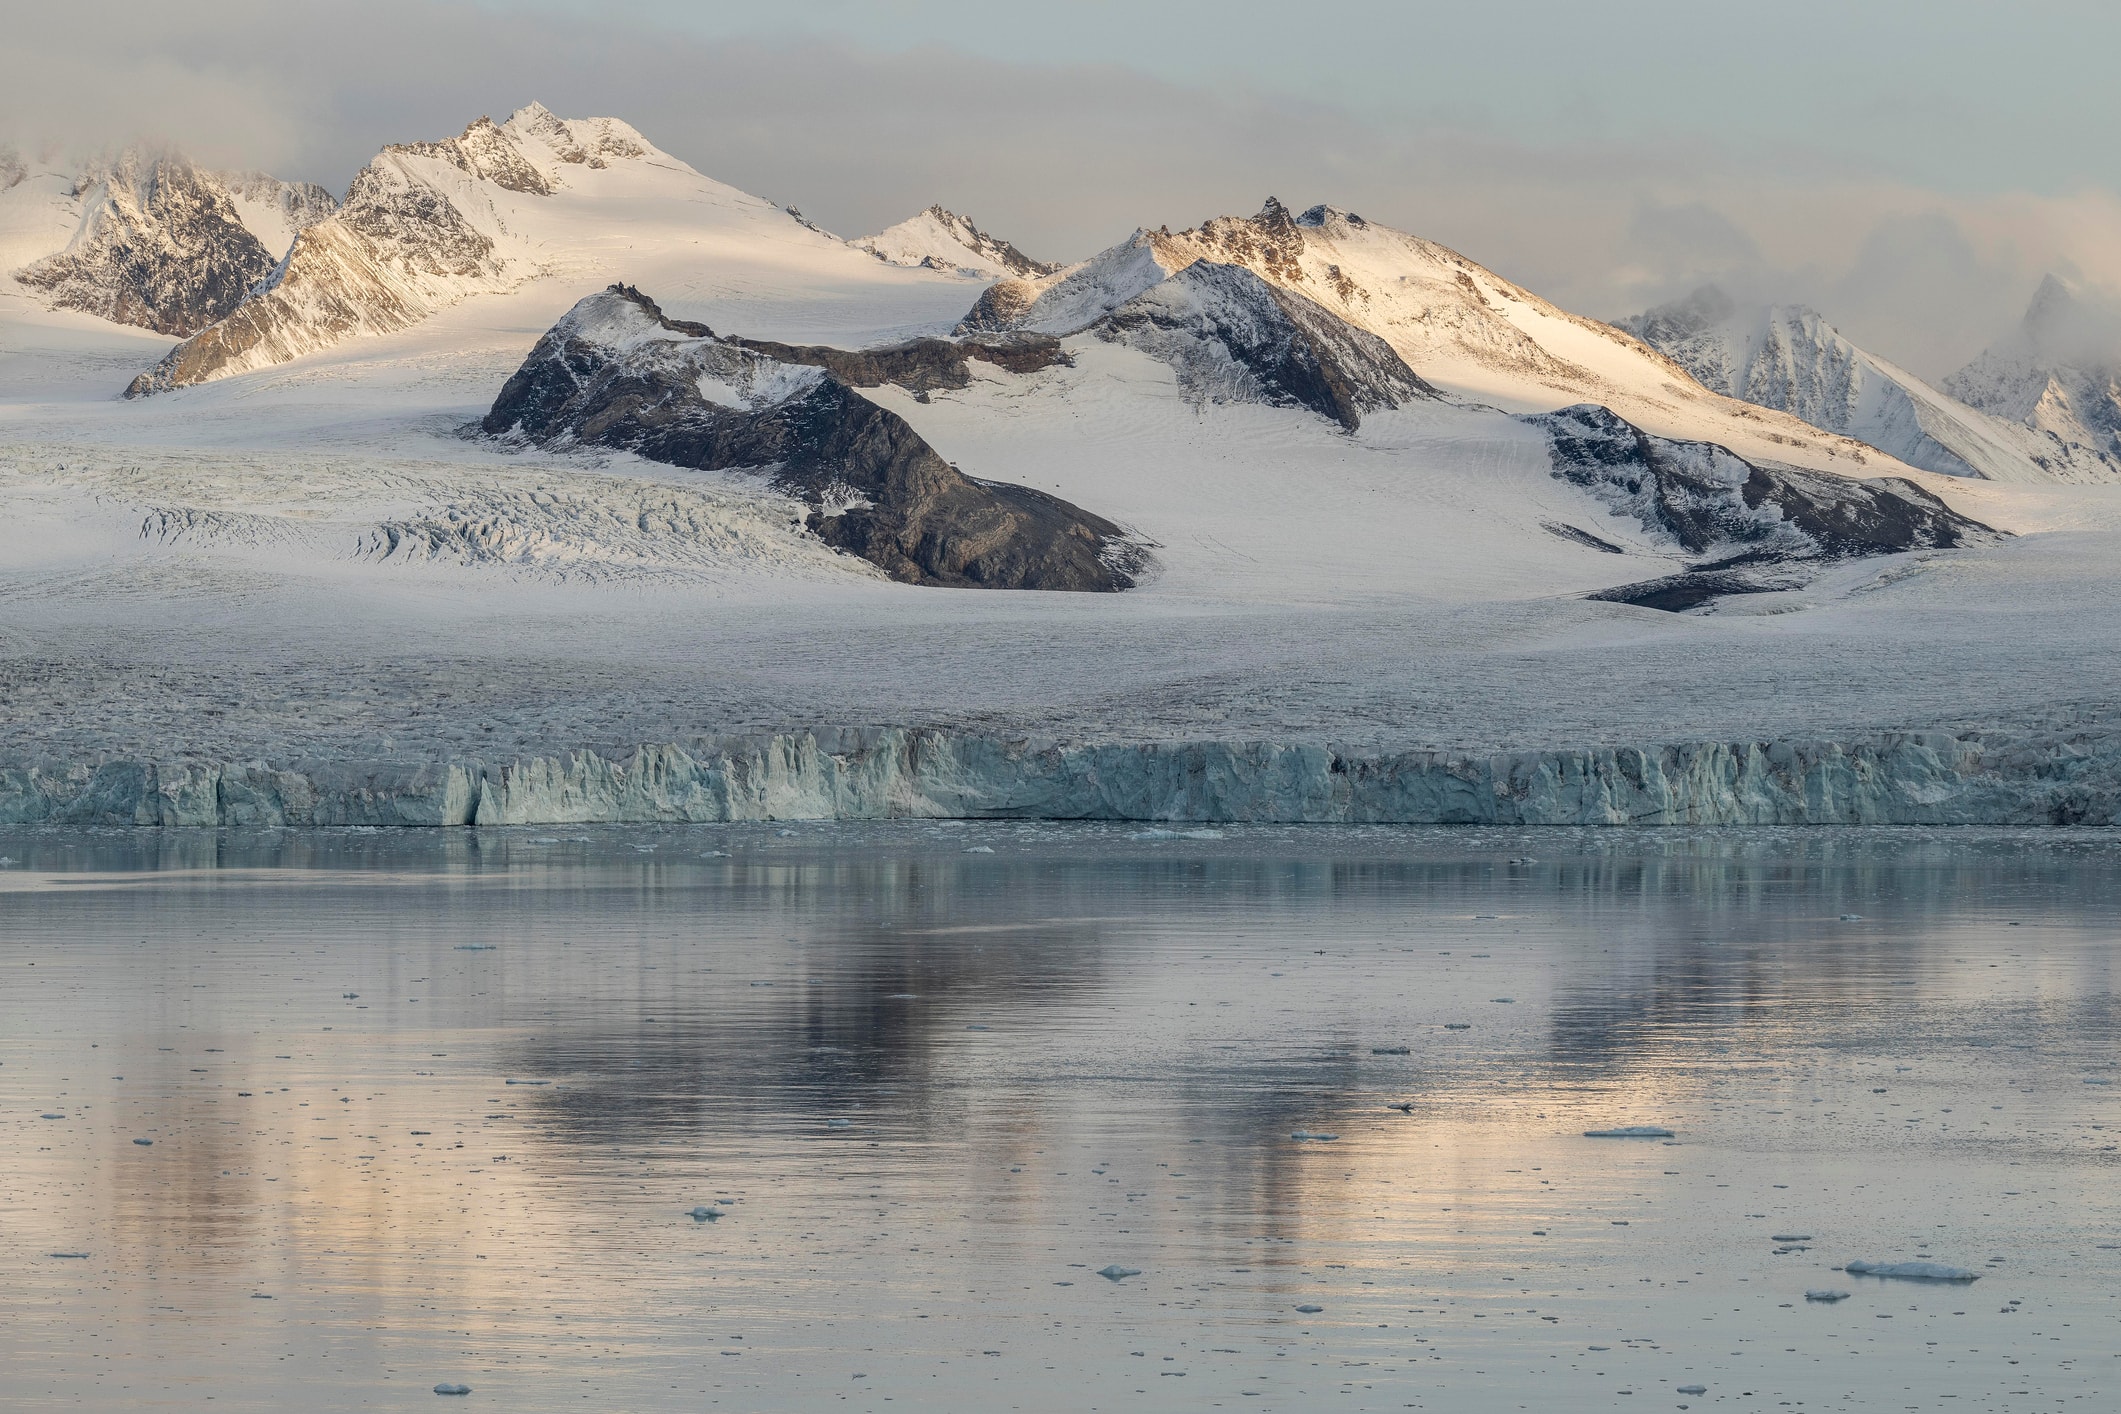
[[72, 1256], [1305, 1135], [446, 1388], [1310, 1310], [1852, 918], [144, 1143], [1784, 1237], [1911, 1271], [1458, 1026], [1827, 1296], [51, 1116], [1692, 1389], [704, 1214], [527, 1082], [1116, 1271], [476, 947], [1629, 1131], [1506, 1001], [979, 849], [1404, 1050], [839, 1124]]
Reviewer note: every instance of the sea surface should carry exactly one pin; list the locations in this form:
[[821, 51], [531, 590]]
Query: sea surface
[[1055, 1117]]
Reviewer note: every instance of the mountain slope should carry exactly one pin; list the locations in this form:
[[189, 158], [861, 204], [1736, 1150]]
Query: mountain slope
[[615, 372], [941, 239], [1789, 358], [156, 242], [1457, 325], [2060, 376]]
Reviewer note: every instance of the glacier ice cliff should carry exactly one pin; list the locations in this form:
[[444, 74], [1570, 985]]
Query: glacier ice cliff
[[1915, 778]]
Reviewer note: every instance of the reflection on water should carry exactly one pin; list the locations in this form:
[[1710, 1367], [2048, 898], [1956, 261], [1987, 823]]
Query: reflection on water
[[435, 1107]]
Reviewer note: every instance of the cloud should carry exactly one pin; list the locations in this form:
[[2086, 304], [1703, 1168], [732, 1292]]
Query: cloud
[[1061, 158]]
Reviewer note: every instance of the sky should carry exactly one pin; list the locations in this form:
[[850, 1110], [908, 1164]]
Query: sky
[[1911, 169]]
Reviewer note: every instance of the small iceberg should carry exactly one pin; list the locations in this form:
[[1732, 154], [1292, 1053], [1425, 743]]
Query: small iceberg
[[1692, 1389], [1309, 1310], [1116, 1271], [1826, 1296], [1302, 1136], [1911, 1271], [1786, 1237], [446, 1388], [704, 1214], [1406, 1050], [1629, 1131]]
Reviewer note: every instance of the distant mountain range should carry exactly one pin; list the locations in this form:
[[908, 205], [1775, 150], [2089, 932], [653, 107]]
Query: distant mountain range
[[251, 271], [2022, 412], [1742, 448]]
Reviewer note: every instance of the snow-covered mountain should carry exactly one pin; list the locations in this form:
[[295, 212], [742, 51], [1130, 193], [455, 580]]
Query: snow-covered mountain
[[1757, 528], [1790, 358], [2059, 374], [428, 225], [940, 239], [146, 238], [1234, 338], [1457, 325]]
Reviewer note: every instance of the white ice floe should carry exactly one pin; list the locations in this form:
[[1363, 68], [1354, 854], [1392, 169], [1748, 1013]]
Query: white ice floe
[[1629, 1131], [1911, 1271]]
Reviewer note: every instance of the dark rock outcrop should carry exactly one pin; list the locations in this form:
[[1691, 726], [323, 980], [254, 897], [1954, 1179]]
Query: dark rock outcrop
[[616, 373], [1747, 519], [1233, 337]]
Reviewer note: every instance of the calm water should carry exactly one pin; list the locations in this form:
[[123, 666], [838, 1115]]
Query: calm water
[[435, 1107]]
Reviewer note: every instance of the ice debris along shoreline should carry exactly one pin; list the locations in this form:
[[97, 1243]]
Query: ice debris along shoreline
[[874, 774]]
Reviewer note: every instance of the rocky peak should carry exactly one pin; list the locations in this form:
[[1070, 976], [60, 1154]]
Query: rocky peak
[[161, 245], [2059, 374]]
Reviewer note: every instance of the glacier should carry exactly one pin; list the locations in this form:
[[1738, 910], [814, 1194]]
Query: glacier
[[1913, 778]]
